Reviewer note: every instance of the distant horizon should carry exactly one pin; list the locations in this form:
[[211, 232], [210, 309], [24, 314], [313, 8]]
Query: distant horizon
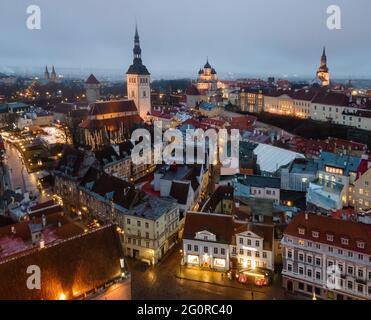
[[249, 37], [116, 75]]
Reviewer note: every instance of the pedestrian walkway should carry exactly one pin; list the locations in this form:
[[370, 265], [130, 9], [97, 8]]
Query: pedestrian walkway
[[213, 277]]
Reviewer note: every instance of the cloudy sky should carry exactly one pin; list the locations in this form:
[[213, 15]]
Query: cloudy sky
[[253, 37]]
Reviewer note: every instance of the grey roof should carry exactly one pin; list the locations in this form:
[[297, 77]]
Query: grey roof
[[152, 208], [304, 166], [346, 162], [260, 181]]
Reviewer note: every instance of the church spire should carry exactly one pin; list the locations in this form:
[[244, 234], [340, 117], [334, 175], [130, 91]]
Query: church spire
[[46, 73], [137, 51]]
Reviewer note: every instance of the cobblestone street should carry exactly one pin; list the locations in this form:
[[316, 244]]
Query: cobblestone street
[[164, 282]]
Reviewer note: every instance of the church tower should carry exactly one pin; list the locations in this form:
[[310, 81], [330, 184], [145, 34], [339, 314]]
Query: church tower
[[53, 75], [138, 81], [46, 74], [92, 87], [323, 73]]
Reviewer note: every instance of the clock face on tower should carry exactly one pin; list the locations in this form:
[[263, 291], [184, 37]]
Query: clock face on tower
[[324, 77]]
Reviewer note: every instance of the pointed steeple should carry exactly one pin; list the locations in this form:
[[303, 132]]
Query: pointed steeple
[[46, 73], [137, 67], [53, 74], [207, 65]]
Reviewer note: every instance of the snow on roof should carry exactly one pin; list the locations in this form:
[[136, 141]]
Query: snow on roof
[[271, 158]]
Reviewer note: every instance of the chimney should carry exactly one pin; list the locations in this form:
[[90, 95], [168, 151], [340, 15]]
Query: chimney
[[42, 244], [237, 204], [13, 230], [306, 216]]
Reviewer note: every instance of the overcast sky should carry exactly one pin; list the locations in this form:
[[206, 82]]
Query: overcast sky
[[256, 37]]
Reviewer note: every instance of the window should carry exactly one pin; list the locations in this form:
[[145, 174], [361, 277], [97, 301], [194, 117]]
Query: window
[[315, 234], [318, 275], [318, 261], [340, 251], [301, 256], [241, 240], [301, 231], [360, 288], [330, 249], [309, 273], [147, 225], [345, 241], [301, 270], [206, 249], [189, 247], [360, 244], [257, 243], [330, 237], [241, 251], [301, 286], [264, 255], [195, 248], [222, 251], [318, 246], [215, 250], [249, 253], [350, 285], [360, 273], [128, 221], [147, 235], [309, 259], [289, 267], [350, 254], [257, 254], [249, 242], [147, 244], [289, 254], [138, 223], [350, 270]]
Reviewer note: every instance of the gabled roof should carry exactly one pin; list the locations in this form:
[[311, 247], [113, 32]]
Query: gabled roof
[[111, 188], [221, 226], [331, 98], [179, 191], [113, 106], [72, 267], [92, 80]]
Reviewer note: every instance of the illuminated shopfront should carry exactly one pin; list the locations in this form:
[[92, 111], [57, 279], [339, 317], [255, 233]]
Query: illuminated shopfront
[[219, 263], [191, 259]]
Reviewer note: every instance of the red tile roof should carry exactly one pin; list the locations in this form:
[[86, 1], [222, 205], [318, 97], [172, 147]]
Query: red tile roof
[[92, 80], [220, 225], [114, 106], [72, 267], [338, 228]]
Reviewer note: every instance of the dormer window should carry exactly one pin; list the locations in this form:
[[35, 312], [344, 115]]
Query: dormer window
[[345, 241], [330, 237], [315, 234], [301, 231], [360, 244]]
